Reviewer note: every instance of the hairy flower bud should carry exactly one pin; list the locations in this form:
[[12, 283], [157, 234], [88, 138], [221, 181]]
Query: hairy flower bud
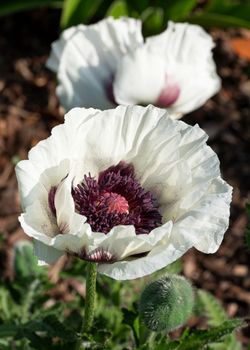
[[167, 303]]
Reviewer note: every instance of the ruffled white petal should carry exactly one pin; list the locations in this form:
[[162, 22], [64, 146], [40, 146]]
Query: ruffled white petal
[[49, 161], [197, 85], [57, 48], [187, 50], [208, 217], [182, 41], [43, 228], [28, 183], [122, 241], [88, 59], [158, 258], [139, 78]]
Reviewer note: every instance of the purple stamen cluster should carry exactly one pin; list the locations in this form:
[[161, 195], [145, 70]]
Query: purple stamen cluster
[[116, 198]]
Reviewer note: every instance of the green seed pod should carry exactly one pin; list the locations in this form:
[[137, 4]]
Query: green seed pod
[[167, 303]]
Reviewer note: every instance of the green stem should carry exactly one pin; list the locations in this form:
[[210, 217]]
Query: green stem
[[89, 301], [90, 296], [151, 340]]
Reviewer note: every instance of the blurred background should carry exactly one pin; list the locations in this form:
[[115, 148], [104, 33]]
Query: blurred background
[[29, 109]]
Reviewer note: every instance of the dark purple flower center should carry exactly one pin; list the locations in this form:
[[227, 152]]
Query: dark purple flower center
[[115, 198]]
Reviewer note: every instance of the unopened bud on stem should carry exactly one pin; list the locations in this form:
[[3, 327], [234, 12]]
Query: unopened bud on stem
[[167, 303]]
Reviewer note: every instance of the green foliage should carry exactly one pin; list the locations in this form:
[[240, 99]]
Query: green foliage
[[154, 14], [166, 303], [230, 8], [229, 343], [40, 332], [212, 308], [132, 320], [199, 339], [179, 9], [153, 20], [223, 13], [78, 11], [26, 324], [10, 6], [216, 316], [118, 9], [30, 319], [25, 262], [248, 225]]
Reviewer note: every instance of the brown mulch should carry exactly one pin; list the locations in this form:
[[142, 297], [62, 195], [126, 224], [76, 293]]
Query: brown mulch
[[29, 109]]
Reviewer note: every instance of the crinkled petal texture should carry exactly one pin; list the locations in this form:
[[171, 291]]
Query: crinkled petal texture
[[109, 63], [171, 159], [178, 70], [85, 59]]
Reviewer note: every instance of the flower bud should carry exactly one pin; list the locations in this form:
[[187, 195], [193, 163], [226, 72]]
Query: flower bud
[[167, 303]]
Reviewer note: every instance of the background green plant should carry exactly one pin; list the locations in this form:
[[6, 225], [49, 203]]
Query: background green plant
[[153, 13], [27, 322]]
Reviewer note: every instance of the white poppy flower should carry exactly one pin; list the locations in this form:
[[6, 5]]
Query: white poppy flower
[[129, 188], [109, 63]]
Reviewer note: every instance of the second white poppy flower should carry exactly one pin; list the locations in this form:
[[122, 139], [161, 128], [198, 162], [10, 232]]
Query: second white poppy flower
[[108, 63]]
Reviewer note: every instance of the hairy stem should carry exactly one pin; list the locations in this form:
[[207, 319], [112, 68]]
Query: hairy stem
[[89, 302], [90, 296]]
